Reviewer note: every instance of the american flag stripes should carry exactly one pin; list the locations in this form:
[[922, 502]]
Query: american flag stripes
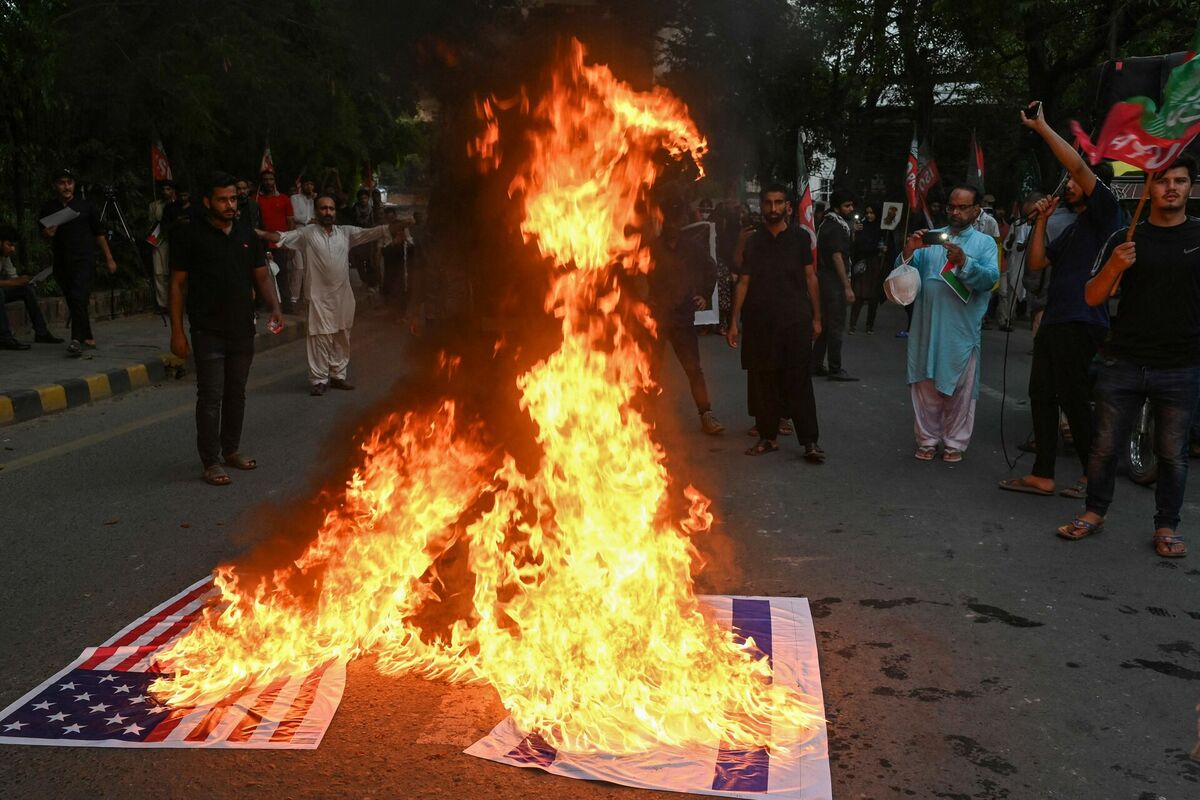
[[102, 699], [783, 633]]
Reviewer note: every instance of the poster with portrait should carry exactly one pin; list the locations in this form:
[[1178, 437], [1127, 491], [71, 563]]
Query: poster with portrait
[[891, 216]]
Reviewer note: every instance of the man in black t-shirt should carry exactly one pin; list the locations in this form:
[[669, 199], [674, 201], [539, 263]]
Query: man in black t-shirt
[[74, 244], [774, 303], [833, 275], [1152, 353], [216, 264]]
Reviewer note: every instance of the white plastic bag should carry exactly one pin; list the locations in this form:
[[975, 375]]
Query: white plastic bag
[[901, 284]]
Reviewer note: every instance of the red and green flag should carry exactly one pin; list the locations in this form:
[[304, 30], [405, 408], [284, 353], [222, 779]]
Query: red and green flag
[[805, 217], [1138, 132], [910, 175]]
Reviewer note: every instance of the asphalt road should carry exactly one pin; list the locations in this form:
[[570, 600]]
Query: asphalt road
[[966, 652]]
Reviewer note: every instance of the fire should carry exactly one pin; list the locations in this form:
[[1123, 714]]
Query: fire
[[583, 611]]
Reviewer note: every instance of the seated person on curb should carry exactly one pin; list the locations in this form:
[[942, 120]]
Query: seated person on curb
[[1152, 353], [15, 287]]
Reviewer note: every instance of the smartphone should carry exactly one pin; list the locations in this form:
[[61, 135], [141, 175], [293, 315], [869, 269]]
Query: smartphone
[[934, 237], [1032, 110]]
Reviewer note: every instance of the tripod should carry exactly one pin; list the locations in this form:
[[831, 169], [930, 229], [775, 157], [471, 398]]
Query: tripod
[[112, 204]]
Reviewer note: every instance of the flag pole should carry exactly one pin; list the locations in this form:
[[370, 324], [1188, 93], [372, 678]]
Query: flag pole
[[1137, 214]]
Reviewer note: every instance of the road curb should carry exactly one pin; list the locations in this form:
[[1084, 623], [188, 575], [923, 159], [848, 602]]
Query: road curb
[[27, 404]]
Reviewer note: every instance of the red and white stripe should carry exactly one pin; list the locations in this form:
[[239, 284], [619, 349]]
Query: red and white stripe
[[291, 712]]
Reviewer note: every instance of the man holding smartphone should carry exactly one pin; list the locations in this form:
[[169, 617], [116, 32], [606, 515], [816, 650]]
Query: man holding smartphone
[[958, 266], [1070, 329]]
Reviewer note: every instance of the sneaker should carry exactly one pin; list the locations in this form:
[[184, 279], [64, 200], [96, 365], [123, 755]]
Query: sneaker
[[74, 349], [318, 389], [12, 344], [338, 383], [870, 331], [47, 338], [710, 424], [901, 334], [841, 375], [851, 331]]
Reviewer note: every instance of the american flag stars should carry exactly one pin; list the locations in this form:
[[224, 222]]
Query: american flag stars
[[89, 704]]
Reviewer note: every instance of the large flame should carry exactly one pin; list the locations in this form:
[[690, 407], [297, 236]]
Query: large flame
[[583, 614]]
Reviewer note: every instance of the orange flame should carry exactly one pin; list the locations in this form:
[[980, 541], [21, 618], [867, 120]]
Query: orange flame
[[583, 612]]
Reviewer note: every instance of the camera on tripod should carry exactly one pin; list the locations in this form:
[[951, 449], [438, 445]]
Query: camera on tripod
[[109, 191]]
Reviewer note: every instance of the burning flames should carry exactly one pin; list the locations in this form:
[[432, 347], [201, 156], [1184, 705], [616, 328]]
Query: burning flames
[[583, 614]]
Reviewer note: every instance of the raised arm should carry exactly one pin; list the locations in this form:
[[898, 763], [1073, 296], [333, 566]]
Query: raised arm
[[1076, 167]]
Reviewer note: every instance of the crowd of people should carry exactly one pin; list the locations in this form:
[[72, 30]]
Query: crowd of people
[[785, 300]]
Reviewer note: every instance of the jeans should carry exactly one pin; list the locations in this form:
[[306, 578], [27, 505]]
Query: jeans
[[1121, 389], [28, 295], [1062, 353], [833, 322], [75, 280], [687, 349], [222, 366]]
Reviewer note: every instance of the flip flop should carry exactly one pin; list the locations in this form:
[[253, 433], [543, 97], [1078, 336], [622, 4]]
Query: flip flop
[[761, 447], [1076, 491], [925, 453], [216, 476], [952, 456], [239, 461], [1019, 485], [1169, 546], [1079, 528]]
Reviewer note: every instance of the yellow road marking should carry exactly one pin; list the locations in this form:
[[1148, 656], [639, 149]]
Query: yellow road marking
[[54, 398], [98, 386], [138, 376], [6, 409]]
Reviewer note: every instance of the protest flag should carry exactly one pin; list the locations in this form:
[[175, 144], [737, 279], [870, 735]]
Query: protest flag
[[804, 207], [267, 164], [976, 172], [928, 176], [1136, 131], [160, 167], [910, 175]]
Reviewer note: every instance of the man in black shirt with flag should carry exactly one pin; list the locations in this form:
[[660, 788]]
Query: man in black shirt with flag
[[1152, 353], [215, 266]]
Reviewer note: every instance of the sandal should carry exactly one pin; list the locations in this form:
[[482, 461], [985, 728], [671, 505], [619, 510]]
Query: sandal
[[763, 446], [1169, 546], [1076, 491], [1078, 528], [952, 456], [1019, 485], [236, 459], [814, 454], [925, 453], [215, 475]]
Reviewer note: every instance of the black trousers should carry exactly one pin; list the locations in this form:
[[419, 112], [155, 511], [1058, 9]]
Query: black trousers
[[222, 366], [686, 345], [76, 281], [872, 307], [1058, 379], [786, 391], [833, 321], [28, 295]]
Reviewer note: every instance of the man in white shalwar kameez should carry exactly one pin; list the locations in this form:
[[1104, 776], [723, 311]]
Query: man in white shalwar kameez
[[326, 249], [944, 340]]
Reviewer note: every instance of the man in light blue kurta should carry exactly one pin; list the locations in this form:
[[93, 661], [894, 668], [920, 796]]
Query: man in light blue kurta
[[944, 340]]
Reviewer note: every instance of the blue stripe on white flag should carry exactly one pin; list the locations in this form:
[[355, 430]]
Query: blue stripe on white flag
[[747, 770]]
